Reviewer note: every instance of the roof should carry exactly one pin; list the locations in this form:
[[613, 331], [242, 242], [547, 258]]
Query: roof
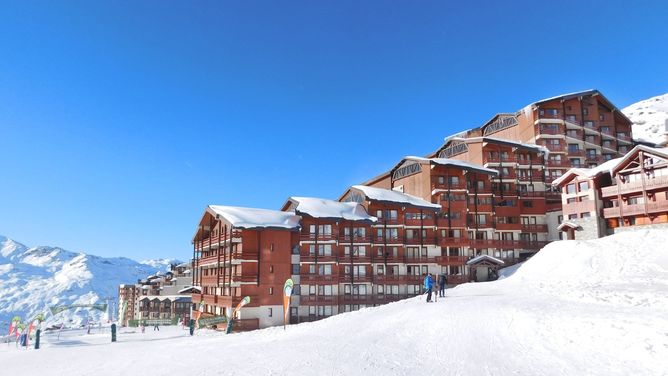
[[252, 218], [663, 152], [505, 141], [454, 163], [324, 208], [569, 225], [174, 298], [591, 92], [191, 289], [593, 172], [386, 195], [481, 258]]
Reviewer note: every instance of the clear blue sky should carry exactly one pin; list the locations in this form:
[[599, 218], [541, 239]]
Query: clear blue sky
[[120, 121]]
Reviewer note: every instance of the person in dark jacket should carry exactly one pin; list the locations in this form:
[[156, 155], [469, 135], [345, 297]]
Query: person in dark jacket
[[441, 283], [428, 285]]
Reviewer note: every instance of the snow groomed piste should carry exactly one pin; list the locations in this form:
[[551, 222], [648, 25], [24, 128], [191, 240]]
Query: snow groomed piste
[[577, 308]]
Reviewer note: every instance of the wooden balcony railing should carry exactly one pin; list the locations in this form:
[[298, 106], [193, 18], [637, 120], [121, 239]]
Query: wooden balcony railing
[[534, 228], [660, 182]]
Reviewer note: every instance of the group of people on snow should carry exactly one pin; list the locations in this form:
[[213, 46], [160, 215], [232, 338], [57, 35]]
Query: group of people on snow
[[437, 285]]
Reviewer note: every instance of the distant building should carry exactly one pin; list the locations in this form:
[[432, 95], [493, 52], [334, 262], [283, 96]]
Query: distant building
[[158, 296]]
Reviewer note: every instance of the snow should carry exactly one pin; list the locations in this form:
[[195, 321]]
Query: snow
[[32, 279], [161, 263], [477, 259], [323, 208], [386, 195], [455, 163], [605, 167], [250, 218], [534, 147], [572, 225], [576, 308], [650, 119]]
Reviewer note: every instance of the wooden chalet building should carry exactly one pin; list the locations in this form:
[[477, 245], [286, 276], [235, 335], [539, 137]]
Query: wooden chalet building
[[627, 191]]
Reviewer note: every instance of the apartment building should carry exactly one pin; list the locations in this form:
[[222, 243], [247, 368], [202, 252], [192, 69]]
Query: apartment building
[[157, 297], [242, 252]]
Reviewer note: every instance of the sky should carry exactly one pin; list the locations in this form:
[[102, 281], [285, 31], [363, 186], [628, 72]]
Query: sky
[[121, 120]]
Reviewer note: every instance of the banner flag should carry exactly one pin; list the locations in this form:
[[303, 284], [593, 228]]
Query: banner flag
[[287, 293], [198, 313], [230, 322]]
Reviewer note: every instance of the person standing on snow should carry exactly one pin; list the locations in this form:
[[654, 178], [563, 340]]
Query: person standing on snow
[[428, 285], [441, 283]]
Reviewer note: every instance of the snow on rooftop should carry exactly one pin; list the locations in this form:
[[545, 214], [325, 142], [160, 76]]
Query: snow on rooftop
[[484, 257], [593, 172], [324, 208], [455, 163], [536, 148], [380, 194], [256, 218], [582, 92]]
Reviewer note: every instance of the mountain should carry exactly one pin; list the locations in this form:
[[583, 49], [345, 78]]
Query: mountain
[[33, 279], [650, 119], [161, 263]]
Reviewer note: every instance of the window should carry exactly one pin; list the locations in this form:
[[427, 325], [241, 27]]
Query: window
[[325, 269], [589, 124], [271, 268], [586, 215], [379, 214], [572, 216], [271, 291], [601, 117], [527, 204], [573, 148], [583, 186], [270, 312], [570, 188], [585, 111]]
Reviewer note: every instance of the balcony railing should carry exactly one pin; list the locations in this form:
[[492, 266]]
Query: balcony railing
[[534, 228], [660, 182], [636, 209]]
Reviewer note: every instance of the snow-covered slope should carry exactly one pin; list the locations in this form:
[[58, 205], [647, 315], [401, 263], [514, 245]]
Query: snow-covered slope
[[650, 119], [576, 308], [32, 279]]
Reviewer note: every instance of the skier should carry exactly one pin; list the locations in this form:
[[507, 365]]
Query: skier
[[143, 328], [428, 284], [441, 282], [156, 327]]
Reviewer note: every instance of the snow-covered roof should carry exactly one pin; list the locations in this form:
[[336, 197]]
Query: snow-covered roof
[[593, 172], [386, 195], [324, 208], [454, 163], [568, 224], [189, 289], [250, 218], [480, 258], [577, 93]]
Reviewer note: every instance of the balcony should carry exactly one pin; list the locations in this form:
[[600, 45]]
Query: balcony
[[357, 278], [534, 228], [452, 260], [216, 240], [417, 241], [419, 259], [428, 222], [325, 279], [636, 209], [660, 182], [397, 279], [320, 237], [306, 256], [498, 159], [318, 299], [554, 147], [446, 186], [576, 152], [530, 161], [575, 135], [551, 129], [453, 242], [346, 239], [244, 278], [579, 207]]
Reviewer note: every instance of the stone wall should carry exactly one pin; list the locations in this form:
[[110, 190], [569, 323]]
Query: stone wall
[[591, 228]]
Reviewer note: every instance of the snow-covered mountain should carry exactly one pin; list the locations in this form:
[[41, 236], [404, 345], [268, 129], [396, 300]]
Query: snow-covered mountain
[[650, 119], [32, 279], [161, 263]]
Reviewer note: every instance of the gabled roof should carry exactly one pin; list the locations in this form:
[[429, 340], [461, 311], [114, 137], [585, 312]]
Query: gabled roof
[[571, 225], [589, 92], [329, 209], [593, 172], [482, 258], [386, 195], [661, 152], [253, 218], [450, 163], [504, 141]]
